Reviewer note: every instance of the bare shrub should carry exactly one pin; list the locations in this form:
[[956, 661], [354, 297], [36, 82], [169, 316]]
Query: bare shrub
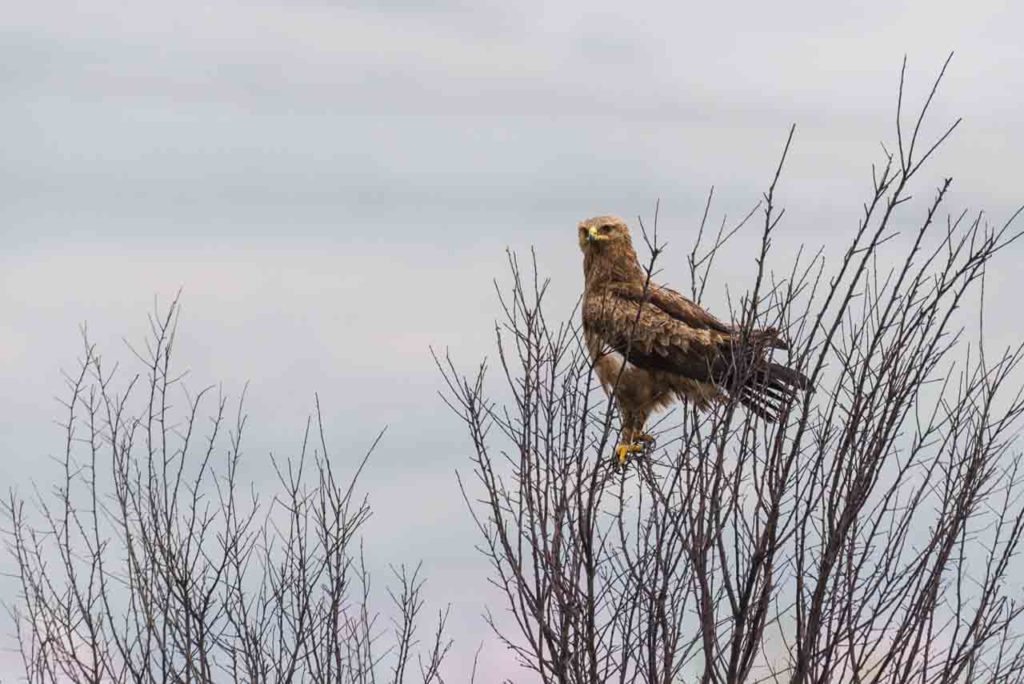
[[866, 536], [154, 560]]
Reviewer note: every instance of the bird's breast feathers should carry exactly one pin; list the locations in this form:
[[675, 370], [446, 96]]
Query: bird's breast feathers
[[607, 363]]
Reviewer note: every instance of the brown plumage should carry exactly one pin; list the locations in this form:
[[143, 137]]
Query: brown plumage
[[672, 348]]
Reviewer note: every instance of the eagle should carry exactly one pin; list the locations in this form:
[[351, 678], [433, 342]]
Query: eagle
[[650, 345]]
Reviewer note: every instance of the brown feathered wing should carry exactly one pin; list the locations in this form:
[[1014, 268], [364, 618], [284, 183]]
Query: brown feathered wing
[[661, 330]]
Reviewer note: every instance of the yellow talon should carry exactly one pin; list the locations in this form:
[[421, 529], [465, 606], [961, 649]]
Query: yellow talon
[[622, 451]]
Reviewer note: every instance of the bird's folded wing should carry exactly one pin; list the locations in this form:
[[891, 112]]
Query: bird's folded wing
[[672, 304], [651, 338], [686, 311]]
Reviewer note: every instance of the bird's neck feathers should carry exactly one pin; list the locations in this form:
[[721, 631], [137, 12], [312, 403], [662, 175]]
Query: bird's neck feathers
[[611, 264]]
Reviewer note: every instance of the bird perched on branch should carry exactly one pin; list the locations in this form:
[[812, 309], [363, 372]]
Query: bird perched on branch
[[651, 346]]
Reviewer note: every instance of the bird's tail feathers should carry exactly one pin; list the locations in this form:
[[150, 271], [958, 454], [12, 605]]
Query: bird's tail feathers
[[771, 389]]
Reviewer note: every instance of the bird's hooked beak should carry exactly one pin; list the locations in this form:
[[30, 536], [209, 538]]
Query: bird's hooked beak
[[593, 235]]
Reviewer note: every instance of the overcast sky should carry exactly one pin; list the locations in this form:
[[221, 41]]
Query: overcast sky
[[333, 185]]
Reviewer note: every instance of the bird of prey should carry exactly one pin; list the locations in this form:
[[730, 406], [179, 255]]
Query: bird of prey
[[650, 345]]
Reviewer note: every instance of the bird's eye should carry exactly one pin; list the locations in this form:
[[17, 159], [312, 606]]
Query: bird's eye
[[606, 228]]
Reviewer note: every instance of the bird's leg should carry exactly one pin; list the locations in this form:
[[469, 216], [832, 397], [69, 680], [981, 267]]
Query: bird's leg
[[634, 439], [624, 448]]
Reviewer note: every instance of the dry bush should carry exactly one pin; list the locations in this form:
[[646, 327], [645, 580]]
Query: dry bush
[[153, 560], [868, 536]]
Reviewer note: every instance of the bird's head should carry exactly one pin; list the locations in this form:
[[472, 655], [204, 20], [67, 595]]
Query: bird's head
[[601, 232]]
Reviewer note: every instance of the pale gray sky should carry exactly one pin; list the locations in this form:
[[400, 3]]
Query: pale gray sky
[[333, 186]]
